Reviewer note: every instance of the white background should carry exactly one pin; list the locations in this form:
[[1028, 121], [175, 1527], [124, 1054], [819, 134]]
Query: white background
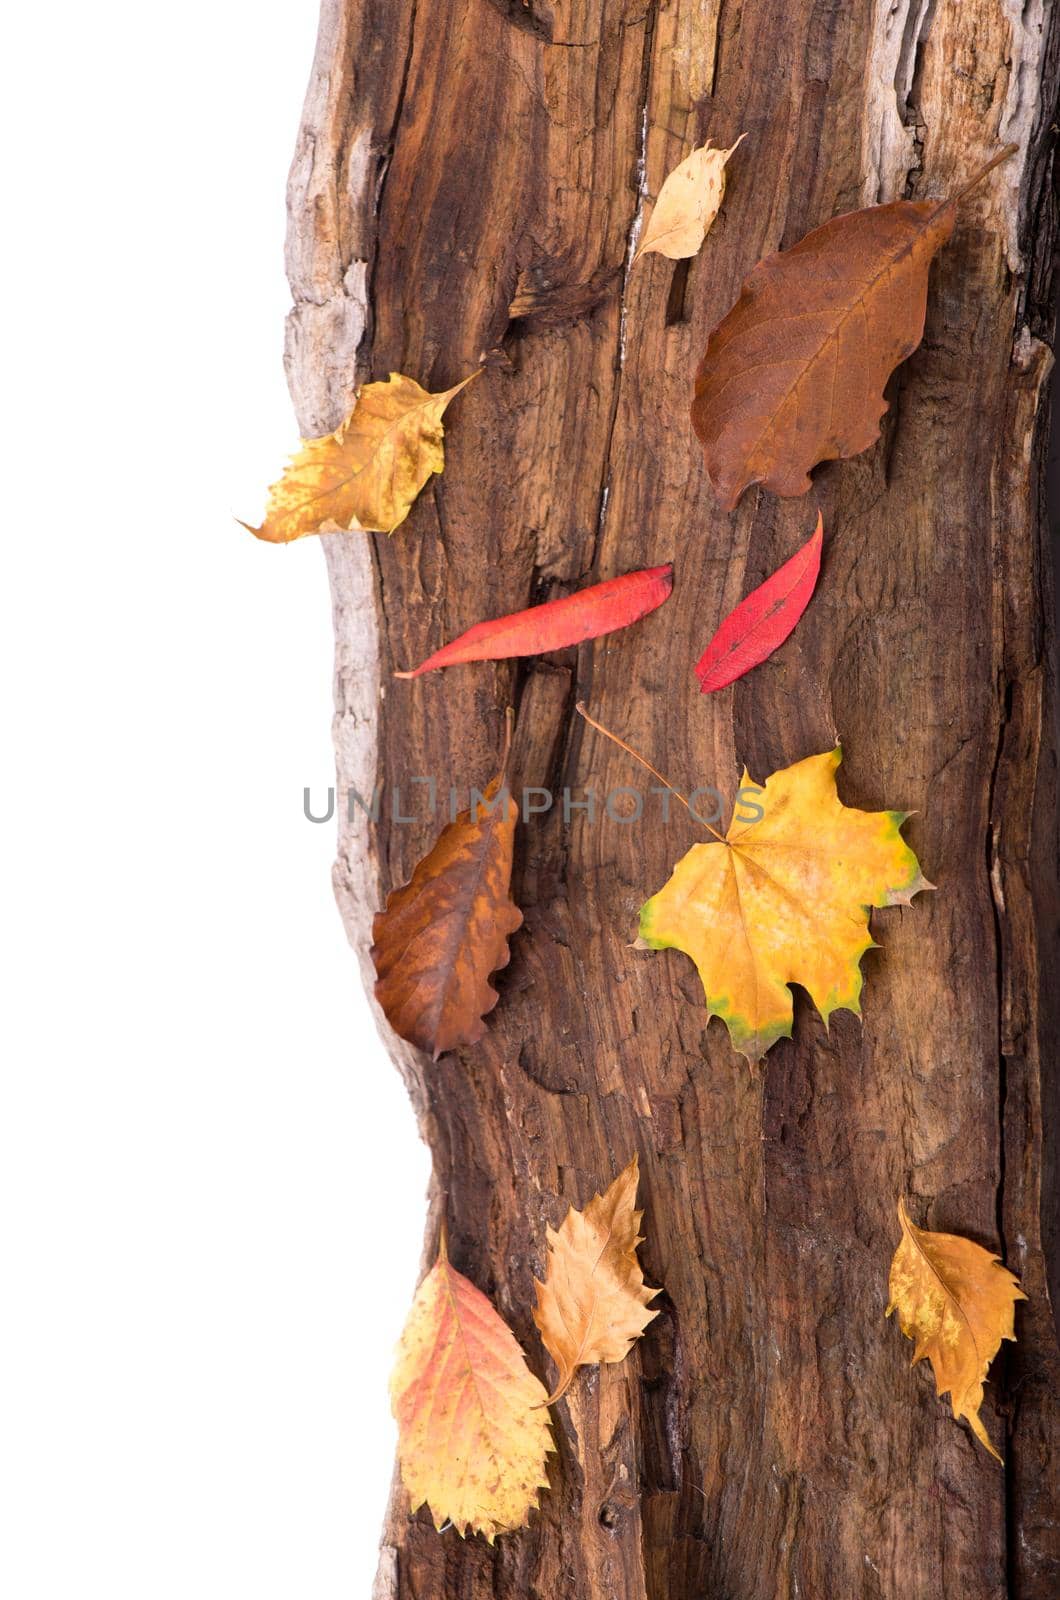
[[201, 1140]]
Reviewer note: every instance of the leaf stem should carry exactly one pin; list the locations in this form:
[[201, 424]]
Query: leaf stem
[[622, 745], [995, 161]]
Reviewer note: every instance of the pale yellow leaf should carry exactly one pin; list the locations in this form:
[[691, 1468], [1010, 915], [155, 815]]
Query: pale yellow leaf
[[956, 1302], [688, 202], [592, 1304], [367, 473], [473, 1431]]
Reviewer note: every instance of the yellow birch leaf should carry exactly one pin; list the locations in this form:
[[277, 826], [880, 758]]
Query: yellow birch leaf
[[784, 899], [366, 475], [956, 1302], [592, 1303], [473, 1431], [688, 202]]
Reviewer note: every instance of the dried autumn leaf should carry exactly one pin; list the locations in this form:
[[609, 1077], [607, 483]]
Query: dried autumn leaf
[[447, 930], [367, 473], [688, 202], [764, 620], [784, 900], [592, 1304], [794, 374], [473, 1431], [957, 1302], [603, 608]]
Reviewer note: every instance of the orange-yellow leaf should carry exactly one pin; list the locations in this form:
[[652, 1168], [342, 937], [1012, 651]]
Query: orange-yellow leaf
[[473, 1431], [784, 899], [592, 1304], [368, 472], [956, 1302], [688, 202]]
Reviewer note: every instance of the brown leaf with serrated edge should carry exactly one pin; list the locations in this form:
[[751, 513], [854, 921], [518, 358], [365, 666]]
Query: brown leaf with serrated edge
[[366, 475], [794, 374], [473, 1432], [592, 1304], [957, 1302], [447, 930]]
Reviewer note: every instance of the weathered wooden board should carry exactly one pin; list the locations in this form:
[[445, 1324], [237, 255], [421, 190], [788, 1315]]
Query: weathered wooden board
[[471, 177]]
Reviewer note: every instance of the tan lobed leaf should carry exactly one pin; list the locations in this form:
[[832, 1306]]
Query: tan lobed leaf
[[447, 930], [795, 373], [956, 1301], [592, 1304], [366, 475], [688, 203], [473, 1431]]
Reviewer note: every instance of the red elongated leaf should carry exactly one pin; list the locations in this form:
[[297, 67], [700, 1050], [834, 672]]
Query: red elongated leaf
[[764, 620], [603, 608]]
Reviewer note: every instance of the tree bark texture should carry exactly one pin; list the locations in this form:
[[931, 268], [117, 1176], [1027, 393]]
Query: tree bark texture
[[470, 178]]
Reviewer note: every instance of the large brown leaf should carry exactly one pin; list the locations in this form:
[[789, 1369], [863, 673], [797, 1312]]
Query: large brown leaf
[[795, 373], [447, 930]]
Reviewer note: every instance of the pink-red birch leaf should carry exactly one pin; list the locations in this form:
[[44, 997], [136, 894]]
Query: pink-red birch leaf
[[764, 620], [603, 608]]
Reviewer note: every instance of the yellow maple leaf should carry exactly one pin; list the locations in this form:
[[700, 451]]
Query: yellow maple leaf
[[957, 1302], [688, 203], [592, 1304], [473, 1433], [366, 475], [784, 899]]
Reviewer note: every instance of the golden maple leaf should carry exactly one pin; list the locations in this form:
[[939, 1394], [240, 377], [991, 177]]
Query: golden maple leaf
[[366, 475], [688, 203], [473, 1432], [957, 1302], [783, 900], [592, 1304]]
